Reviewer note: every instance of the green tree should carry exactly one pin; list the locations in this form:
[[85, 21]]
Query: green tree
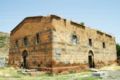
[[118, 50]]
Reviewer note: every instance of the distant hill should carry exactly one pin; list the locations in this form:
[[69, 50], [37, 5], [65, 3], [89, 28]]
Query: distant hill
[[4, 44]]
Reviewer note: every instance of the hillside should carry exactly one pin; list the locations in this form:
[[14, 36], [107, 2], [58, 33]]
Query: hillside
[[4, 44]]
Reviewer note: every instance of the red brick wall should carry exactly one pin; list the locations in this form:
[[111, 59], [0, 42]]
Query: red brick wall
[[39, 55]]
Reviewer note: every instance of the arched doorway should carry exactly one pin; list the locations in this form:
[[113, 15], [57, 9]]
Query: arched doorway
[[91, 59], [24, 56]]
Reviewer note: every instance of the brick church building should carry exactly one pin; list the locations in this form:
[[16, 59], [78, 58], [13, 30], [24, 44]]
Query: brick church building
[[55, 44]]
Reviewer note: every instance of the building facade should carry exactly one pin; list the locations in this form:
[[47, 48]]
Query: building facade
[[55, 44]]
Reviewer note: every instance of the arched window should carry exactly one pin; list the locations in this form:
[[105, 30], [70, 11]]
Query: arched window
[[104, 46], [17, 44], [74, 39], [37, 38], [90, 42], [25, 41]]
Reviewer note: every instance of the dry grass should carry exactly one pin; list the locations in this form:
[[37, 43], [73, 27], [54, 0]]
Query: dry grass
[[111, 67], [9, 73]]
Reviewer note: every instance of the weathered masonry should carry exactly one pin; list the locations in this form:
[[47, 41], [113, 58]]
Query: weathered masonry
[[55, 44]]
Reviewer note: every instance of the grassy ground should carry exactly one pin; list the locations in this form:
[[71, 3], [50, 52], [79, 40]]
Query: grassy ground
[[9, 73]]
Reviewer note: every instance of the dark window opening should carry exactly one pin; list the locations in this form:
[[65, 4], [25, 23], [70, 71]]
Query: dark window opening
[[37, 38], [26, 41], [104, 46], [90, 42], [17, 44], [74, 39]]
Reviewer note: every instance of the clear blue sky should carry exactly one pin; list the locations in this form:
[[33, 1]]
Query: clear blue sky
[[99, 14]]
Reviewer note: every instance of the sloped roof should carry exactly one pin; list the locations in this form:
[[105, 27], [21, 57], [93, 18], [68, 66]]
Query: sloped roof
[[21, 23], [32, 17]]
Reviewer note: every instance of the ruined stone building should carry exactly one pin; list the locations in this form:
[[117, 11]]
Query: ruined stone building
[[55, 44]]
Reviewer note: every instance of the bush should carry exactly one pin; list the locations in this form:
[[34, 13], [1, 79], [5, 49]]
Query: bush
[[2, 41]]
